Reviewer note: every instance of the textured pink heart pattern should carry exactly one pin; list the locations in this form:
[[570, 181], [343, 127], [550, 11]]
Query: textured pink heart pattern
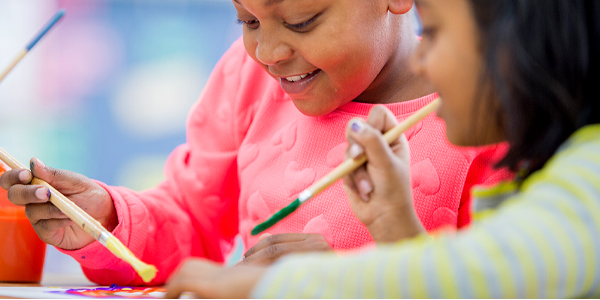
[[257, 207], [336, 155], [247, 155], [286, 136], [319, 225], [297, 179], [425, 177]]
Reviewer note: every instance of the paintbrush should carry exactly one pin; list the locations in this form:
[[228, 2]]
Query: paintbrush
[[344, 169], [79, 216], [32, 43], [87, 223]]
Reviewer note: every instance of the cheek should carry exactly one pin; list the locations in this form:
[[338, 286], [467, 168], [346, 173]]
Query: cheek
[[250, 43]]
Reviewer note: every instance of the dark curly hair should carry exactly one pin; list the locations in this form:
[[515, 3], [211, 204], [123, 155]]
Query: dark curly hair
[[542, 59]]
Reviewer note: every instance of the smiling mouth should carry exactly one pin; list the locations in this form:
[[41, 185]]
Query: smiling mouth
[[299, 77], [299, 83]]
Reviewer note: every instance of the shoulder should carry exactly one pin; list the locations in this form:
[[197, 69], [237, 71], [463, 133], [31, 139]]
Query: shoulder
[[574, 169], [236, 61]]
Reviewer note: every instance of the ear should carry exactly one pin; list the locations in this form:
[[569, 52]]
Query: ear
[[400, 7]]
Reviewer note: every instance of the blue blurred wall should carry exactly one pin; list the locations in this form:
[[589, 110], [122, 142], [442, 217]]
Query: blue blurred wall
[[107, 92]]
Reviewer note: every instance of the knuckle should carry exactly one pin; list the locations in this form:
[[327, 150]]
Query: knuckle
[[43, 225], [51, 210], [273, 239], [250, 252], [325, 245], [29, 211], [13, 176], [371, 136], [378, 111], [273, 252]]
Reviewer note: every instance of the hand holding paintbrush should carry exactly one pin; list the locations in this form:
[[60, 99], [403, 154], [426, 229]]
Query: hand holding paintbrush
[[52, 226], [48, 219], [344, 169]]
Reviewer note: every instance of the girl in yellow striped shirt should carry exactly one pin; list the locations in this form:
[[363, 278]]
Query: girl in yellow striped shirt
[[519, 71]]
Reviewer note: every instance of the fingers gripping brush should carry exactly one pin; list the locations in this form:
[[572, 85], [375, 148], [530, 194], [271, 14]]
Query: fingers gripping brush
[[344, 169]]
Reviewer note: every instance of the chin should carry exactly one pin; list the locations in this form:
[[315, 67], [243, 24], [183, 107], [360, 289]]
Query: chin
[[457, 137], [311, 109]]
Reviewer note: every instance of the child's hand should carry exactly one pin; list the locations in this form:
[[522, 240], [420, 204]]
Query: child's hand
[[380, 191], [50, 224], [271, 247], [208, 280]]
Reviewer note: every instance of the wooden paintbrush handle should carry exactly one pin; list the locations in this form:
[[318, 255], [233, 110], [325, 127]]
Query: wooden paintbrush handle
[[87, 223], [70, 209], [390, 136]]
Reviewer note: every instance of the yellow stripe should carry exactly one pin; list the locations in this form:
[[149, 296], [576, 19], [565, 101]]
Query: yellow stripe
[[302, 272], [369, 277], [501, 188], [563, 239], [473, 267], [445, 271], [491, 249], [538, 238], [392, 272], [587, 133], [349, 282], [478, 216], [525, 262]]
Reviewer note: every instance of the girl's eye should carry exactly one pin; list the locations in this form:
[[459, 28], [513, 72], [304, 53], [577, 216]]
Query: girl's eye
[[302, 26], [252, 24]]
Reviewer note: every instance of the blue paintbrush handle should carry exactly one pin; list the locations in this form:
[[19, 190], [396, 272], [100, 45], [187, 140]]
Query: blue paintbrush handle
[[45, 29]]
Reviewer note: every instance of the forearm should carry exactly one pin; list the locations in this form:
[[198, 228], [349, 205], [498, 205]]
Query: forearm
[[526, 258], [147, 229]]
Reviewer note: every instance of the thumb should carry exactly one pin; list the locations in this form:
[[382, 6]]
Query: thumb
[[62, 180]]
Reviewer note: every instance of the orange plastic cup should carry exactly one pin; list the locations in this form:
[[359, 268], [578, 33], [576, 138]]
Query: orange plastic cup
[[22, 253]]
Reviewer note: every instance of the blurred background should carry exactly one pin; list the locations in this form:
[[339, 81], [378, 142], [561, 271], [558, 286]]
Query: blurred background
[[107, 91]]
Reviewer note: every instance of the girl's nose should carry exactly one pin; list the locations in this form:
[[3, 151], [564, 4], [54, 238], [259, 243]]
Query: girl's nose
[[270, 49]]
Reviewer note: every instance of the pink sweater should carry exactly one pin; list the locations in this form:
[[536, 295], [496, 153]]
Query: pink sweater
[[249, 153]]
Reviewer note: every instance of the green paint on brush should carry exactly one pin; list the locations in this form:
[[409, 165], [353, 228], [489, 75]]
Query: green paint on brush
[[280, 215]]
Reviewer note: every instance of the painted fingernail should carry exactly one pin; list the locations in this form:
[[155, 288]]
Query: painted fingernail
[[356, 150], [24, 176], [42, 193], [357, 126]]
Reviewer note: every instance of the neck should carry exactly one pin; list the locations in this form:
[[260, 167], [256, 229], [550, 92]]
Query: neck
[[395, 82]]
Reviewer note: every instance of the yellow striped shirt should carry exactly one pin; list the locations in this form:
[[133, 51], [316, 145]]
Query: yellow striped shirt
[[540, 241]]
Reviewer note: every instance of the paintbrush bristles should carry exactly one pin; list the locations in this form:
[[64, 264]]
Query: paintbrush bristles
[[280, 215]]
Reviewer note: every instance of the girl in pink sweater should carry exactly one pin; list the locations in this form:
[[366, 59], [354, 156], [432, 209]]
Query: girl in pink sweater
[[270, 121]]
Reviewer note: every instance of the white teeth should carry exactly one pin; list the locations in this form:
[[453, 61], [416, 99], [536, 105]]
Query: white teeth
[[293, 78], [297, 78]]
